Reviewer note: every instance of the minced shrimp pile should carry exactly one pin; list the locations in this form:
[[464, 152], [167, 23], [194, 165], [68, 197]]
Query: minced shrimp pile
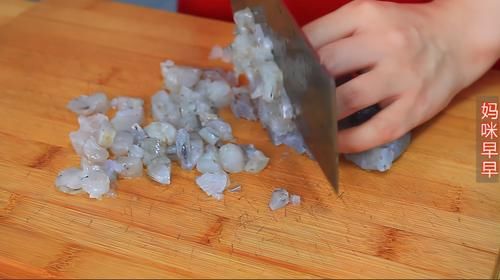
[[186, 127]]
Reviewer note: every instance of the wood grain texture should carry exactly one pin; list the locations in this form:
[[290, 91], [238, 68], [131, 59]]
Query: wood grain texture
[[9, 9], [425, 218]]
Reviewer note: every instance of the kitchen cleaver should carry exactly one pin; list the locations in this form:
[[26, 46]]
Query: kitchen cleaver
[[308, 84]]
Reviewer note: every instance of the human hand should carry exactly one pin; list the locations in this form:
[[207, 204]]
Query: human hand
[[414, 57]]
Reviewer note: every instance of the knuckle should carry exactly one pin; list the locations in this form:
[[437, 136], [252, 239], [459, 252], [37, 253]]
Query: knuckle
[[326, 55], [351, 143], [367, 7], [397, 38], [329, 63], [350, 99], [402, 38], [389, 131]]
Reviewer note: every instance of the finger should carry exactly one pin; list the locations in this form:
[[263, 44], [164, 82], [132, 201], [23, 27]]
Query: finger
[[386, 126], [350, 54], [336, 25], [362, 91]]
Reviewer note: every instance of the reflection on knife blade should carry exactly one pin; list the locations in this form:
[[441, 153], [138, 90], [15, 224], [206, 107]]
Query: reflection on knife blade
[[293, 92]]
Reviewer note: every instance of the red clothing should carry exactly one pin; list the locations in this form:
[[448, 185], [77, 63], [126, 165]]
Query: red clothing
[[304, 11]]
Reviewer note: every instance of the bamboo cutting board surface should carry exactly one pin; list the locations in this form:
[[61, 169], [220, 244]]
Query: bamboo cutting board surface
[[426, 217]]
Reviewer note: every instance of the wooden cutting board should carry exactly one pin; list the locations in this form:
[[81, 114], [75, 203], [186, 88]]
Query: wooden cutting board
[[426, 217]]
